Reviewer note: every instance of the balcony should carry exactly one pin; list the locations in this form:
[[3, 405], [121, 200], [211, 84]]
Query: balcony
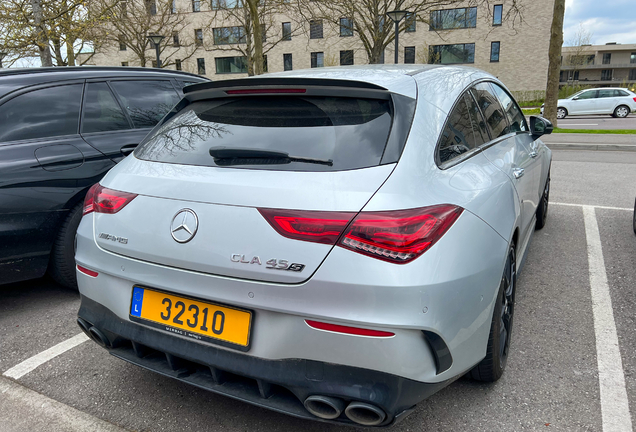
[[599, 66]]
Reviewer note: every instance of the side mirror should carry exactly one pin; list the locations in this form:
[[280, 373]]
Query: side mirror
[[540, 126]]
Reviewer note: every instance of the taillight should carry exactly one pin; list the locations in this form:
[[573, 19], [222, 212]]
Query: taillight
[[86, 271], [634, 99], [399, 236], [395, 236], [312, 226], [103, 200]]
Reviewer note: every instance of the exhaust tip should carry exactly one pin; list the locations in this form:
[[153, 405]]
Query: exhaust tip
[[325, 407], [365, 414], [99, 337], [85, 326]]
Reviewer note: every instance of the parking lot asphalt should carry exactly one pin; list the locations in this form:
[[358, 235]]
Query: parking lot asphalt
[[552, 381]]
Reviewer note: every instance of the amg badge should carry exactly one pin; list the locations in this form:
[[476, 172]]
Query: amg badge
[[105, 236]]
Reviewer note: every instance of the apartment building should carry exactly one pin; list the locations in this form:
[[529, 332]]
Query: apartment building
[[516, 51], [609, 65]]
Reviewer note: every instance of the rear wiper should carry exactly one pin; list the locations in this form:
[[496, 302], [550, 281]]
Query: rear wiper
[[224, 156]]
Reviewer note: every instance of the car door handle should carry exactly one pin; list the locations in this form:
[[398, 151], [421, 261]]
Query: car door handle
[[534, 154], [518, 172], [128, 149]]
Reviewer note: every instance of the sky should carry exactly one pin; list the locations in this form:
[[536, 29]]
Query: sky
[[608, 20]]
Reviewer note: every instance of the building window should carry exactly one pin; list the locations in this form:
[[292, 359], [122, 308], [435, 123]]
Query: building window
[[177, 64], [497, 15], [606, 74], [410, 22], [173, 7], [196, 5], [151, 7], [451, 54], [124, 64], [381, 61], [317, 59], [154, 63], [346, 58], [346, 27], [494, 51], [224, 4], [201, 66], [409, 55], [228, 35], [287, 31], [607, 58], [380, 23], [576, 75], [287, 62], [632, 59], [175, 39], [122, 44], [228, 65], [632, 74], [198, 37], [265, 63], [448, 19], [315, 29]]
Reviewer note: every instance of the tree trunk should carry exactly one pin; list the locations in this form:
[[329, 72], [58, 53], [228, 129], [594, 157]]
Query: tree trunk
[[57, 49], [554, 66], [42, 37], [70, 54], [258, 36]]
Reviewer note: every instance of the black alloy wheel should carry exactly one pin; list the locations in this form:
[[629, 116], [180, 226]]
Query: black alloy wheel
[[491, 368], [542, 210]]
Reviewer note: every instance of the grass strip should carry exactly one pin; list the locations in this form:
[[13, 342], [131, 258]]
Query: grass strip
[[597, 131], [531, 111]]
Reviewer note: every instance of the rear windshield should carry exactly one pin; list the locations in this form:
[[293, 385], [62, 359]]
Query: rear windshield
[[325, 133]]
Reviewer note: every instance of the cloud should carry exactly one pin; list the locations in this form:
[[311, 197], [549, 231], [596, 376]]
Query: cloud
[[611, 21]]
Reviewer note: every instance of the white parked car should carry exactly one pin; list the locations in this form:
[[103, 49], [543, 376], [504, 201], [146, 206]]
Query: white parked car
[[618, 102]]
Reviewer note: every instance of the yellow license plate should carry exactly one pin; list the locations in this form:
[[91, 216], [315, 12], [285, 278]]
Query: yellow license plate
[[191, 318]]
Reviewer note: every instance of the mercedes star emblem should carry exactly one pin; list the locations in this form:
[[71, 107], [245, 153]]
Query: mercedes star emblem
[[184, 225]]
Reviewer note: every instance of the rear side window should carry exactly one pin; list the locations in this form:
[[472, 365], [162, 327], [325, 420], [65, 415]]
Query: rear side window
[[496, 121], [458, 136], [620, 93], [146, 101], [515, 117], [101, 110], [350, 132], [41, 113]]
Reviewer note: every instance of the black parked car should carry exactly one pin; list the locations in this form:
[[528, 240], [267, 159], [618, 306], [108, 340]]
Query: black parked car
[[61, 130]]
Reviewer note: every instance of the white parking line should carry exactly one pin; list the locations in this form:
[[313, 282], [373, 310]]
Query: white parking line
[[595, 206], [614, 402], [21, 369], [578, 124]]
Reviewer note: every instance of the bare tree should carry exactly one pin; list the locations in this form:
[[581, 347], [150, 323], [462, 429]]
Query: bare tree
[[554, 66], [131, 21], [578, 53], [254, 31]]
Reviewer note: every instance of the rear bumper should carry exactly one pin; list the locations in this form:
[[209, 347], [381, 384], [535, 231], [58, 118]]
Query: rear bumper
[[280, 385]]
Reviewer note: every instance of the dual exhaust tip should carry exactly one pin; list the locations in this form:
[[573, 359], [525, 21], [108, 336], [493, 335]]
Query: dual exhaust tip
[[330, 408], [94, 333]]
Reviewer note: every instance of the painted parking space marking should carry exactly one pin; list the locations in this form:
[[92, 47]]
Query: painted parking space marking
[[593, 206], [23, 368], [614, 403], [578, 124]]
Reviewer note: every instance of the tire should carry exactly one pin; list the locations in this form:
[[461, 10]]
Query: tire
[[542, 210], [491, 368], [561, 113], [62, 259], [634, 218], [621, 111]]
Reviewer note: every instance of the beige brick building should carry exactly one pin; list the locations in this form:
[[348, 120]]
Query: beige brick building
[[517, 53], [609, 65]]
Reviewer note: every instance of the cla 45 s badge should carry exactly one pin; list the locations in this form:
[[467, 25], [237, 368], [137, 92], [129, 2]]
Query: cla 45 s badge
[[272, 264]]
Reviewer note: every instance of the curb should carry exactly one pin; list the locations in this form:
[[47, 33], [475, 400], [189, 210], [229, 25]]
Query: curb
[[592, 147]]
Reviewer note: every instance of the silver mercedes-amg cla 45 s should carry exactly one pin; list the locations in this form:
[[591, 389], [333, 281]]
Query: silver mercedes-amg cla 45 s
[[335, 244]]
